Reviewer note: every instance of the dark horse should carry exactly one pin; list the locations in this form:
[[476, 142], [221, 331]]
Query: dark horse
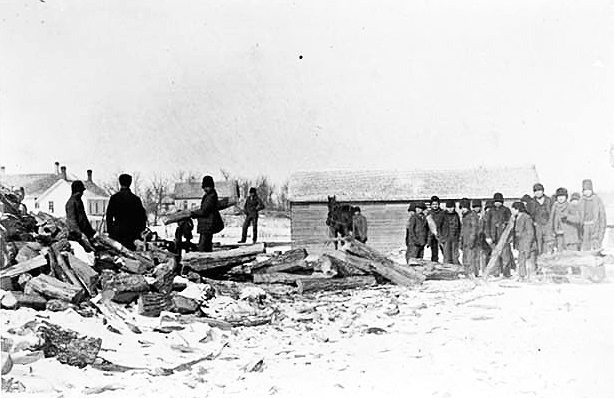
[[339, 219]]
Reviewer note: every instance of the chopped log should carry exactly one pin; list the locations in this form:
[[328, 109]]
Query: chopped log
[[585, 265], [152, 304], [183, 305], [343, 265], [123, 288], [291, 256], [279, 277], [496, 253], [222, 204], [68, 346], [86, 274], [35, 300], [133, 266], [319, 284], [28, 252], [203, 261], [52, 288], [22, 280], [22, 268], [117, 247], [164, 274], [382, 265], [66, 271], [433, 271], [55, 305], [293, 266]]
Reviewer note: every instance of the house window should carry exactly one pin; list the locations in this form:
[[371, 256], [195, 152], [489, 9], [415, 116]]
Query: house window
[[185, 205], [51, 210]]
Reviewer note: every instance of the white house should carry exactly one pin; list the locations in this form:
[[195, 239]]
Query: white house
[[48, 193]]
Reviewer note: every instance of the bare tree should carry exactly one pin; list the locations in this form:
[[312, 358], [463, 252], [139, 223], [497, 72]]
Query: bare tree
[[155, 193]]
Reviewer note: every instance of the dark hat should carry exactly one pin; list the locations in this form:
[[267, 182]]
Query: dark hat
[[498, 197], [525, 199], [587, 184], [125, 180], [476, 203], [464, 203], [208, 182], [77, 186], [575, 196], [435, 198], [412, 207], [519, 206], [357, 208], [538, 187], [561, 192], [252, 190], [489, 203], [450, 203], [420, 205]]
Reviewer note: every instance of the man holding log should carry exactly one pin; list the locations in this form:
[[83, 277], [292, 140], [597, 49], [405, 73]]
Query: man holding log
[[79, 227], [470, 232], [126, 217], [209, 219], [496, 220], [434, 219]]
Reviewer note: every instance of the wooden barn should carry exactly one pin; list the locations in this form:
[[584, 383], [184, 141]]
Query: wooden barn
[[384, 196]]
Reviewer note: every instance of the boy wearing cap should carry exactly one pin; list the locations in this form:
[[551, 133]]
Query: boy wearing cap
[[469, 239], [496, 221], [209, 219], [523, 236], [253, 205], [564, 222], [417, 232], [593, 217], [449, 233], [359, 225], [539, 209], [434, 219]]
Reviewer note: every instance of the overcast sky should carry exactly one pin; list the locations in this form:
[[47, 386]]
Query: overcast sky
[[271, 87]]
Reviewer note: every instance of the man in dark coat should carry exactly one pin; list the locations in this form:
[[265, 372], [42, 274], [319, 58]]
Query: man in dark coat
[[469, 239], [539, 209], [593, 217], [359, 225], [524, 236], [417, 232], [126, 217], [436, 215], [496, 220], [209, 219], [253, 205], [449, 233], [79, 227]]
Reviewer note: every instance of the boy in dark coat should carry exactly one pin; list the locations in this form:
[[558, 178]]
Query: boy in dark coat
[[539, 209], [436, 215], [253, 205], [417, 232], [209, 219], [469, 239], [79, 227], [449, 233], [359, 225], [524, 235], [564, 222], [495, 222], [126, 217]]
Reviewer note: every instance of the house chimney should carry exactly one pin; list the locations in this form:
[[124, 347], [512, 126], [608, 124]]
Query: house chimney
[[89, 175], [63, 172], [57, 168]]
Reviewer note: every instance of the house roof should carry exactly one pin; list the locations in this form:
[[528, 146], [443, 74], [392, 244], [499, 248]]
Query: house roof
[[35, 185], [193, 190], [376, 186]]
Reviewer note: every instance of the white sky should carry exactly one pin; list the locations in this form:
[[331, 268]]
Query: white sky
[[158, 86]]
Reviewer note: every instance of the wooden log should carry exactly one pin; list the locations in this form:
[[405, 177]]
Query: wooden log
[[52, 288], [222, 204], [22, 268], [437, 271], [66, 271], [292, 266], [182, 304], [202, 261], [35, 301], [164, 274], [343, 266], [291, 256], [496, 253], [122, 287], [118, 248], [319, 284], [84, 273], [382, 265], [133, 266], [279, 277], [152, 304], [67, 346]]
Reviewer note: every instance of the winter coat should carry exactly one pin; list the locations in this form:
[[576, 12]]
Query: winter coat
[[470, 230], [359, 227], [524, 233], [76, 217], [450, 228], [253, 205], [126, 217], [495, 222], [540, 213], [565, 220], [209, 218], [417, 230], [437, 219], [593, 217]]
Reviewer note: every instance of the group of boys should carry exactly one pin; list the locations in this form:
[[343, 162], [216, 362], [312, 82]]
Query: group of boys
[[540, 225]]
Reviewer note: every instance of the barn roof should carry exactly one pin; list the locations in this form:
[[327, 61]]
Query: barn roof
[[377, 186], [193, 190]]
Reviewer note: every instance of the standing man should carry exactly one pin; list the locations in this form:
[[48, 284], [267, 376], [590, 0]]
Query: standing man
[[469, 240], [496, 221], [592, 214], [524, 234], [126, 217], [209, 219], [417, 232], [449, 233], [79, 227], [539, 209], [436, 219], [253, 205], [359, 226], [564, 222]]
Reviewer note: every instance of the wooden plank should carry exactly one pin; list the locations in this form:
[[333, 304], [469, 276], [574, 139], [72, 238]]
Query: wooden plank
[[344, 266], [279, 277], [53, 288], [23, 267], [294, 266], [287, 257], [319, 284], [66, 270], [202, 261], [86, 274]]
